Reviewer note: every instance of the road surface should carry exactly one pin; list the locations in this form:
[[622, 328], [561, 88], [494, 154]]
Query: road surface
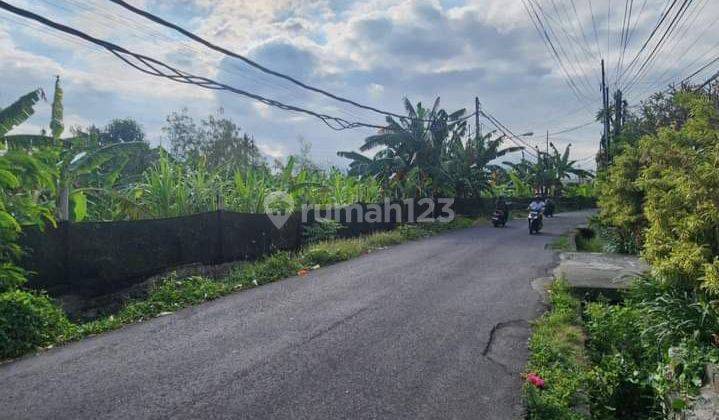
[[435, 328]]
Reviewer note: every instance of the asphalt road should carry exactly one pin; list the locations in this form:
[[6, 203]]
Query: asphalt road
[[435, 328]]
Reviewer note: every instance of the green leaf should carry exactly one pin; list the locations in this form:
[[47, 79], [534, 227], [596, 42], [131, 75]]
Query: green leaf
[[93, 159], [679, 404], [79, 205], [56, 121], [8, 222], [19, 111], [8, 180]]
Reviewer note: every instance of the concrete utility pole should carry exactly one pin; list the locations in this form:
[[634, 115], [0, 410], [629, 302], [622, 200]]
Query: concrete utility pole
[[618, 113], [547, 142], [604, 146], [477, 110]]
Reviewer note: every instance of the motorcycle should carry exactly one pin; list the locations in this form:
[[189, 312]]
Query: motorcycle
[[499, 218], [535, 222], [549, 209]]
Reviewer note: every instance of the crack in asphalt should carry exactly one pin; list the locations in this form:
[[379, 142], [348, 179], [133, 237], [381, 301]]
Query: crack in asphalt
[[488, 347], [499, 326], [335, 324]]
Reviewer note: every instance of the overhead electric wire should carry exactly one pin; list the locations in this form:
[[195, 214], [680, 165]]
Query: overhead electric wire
[[541, 29], [509, 134], [661, 79], [594, 27], [581, 27], [154, 67], [580, 41], [670, 29], [243, 72], [624, 39], [250, 62], [547, 26], [663, 17], [575, 128]]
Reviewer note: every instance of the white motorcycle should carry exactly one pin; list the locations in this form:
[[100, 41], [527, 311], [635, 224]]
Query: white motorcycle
[[535, 222]]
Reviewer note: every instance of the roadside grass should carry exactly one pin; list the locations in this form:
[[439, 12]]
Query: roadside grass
[[559, 359], [593, 244], [560, 243], [174, 293]]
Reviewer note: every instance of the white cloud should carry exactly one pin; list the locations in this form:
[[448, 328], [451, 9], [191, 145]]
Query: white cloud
[[373, 51], [272, 150]]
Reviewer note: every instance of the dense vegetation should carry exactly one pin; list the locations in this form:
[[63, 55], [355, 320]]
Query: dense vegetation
[[645, 356]]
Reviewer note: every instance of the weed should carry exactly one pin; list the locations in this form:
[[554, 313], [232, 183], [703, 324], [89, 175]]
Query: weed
[[29, 320], [557, 356]]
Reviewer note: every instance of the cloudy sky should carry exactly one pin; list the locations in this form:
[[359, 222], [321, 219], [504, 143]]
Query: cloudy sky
[[375, 52]]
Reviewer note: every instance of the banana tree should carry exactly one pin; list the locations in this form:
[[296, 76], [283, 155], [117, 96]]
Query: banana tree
[[469, 166], [22, 177], [562, 167], [411, 149], [72, 158]]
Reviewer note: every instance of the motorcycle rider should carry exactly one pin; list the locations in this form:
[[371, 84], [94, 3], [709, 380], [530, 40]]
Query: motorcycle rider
[[549, 207], [537, 204], [501, 205]]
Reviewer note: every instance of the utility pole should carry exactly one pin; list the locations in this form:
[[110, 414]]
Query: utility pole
[[477, 110], [604, 146], [547, 142], [618, 114], [546, 164]]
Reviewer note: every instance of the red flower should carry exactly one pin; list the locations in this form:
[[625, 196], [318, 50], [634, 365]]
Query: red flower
[[535, 380]]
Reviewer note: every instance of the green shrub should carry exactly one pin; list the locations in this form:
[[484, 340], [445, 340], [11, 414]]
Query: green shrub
[[591, 244], [329, 252], [11, 277], [557, 355], [29, 321], [621, 364], [560, 243], [649, 353], [621, 199], [171, 295], [266, 270], [383, 239]]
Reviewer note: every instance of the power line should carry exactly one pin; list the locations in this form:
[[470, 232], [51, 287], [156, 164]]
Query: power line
[[529, 6], [662, 79], [578, 127], [244, 71], [154, 67], [657, 46], [509, 134], [250, 62], [652, 56], [574, 61]]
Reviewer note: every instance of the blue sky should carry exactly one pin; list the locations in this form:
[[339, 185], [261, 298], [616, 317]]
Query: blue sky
[[375, 52]]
